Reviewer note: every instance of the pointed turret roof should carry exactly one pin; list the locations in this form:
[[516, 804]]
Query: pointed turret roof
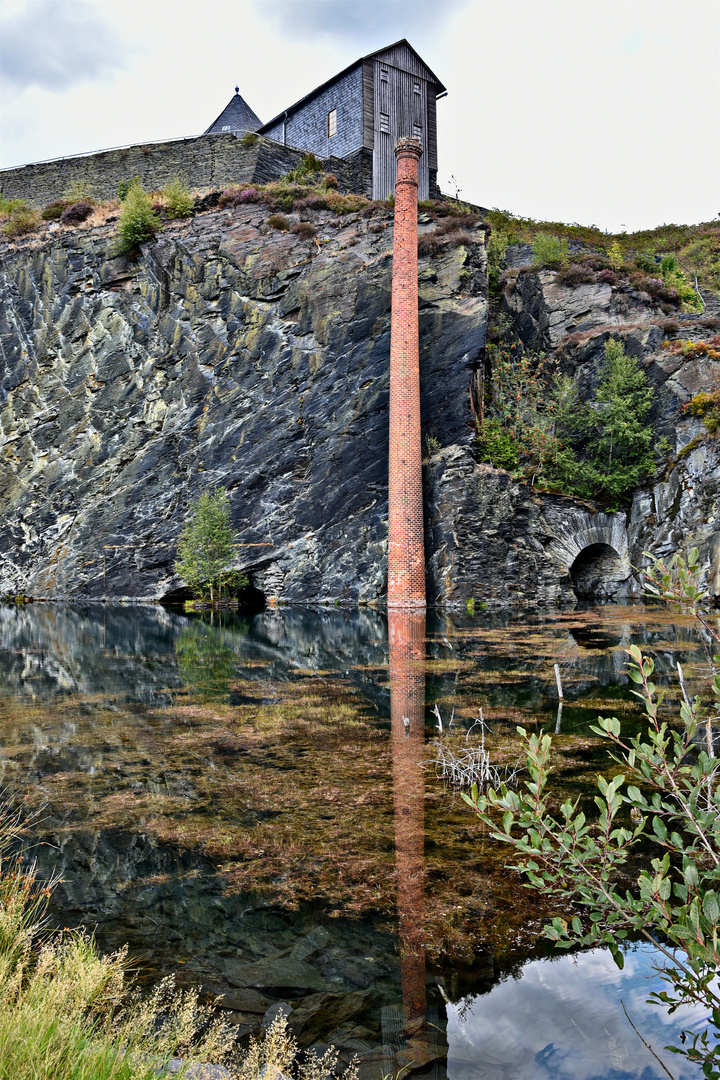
[[236, 116]]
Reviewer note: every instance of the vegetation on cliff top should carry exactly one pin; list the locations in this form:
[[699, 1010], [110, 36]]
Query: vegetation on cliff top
[[697, 246]]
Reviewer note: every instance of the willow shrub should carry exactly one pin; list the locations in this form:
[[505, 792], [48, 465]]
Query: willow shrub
[[663, 800]]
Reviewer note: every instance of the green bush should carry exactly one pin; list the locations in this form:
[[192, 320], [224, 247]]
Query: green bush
[[279, 221], [125, 185], [642, 859], [178, 200], [249, 139], [21, 221], [138, 222], [496, 446], [9, 206], [549, 250], [53, 210]]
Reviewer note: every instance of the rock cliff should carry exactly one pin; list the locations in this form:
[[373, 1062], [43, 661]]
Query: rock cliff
[[231, 353], [226, 353], [499, 541]]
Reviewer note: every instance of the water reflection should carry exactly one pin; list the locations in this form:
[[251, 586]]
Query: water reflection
[[563, 1020], [406, 639], [237, 797]]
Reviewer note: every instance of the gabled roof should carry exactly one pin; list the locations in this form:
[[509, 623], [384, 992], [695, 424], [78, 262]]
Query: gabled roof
[[237, 115], [431, 77], [388, 52]]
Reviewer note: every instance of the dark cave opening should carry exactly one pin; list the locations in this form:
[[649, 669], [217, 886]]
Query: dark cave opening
[[598, 572]]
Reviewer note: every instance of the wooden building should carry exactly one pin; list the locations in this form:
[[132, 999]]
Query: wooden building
[[360, 114]]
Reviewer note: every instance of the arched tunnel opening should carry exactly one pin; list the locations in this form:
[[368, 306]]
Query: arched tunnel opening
[[598, 573]]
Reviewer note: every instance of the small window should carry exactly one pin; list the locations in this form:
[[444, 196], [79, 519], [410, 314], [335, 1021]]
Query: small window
[[383, 75], [417, 132], [385, 122], [226, 127], [416, 88], [332, 122]]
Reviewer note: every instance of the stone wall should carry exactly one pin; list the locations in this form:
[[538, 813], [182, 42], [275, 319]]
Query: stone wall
[[205, 163]]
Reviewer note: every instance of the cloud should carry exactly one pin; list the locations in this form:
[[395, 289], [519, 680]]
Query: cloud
[[367, 22], [637, 39], [56, 44]]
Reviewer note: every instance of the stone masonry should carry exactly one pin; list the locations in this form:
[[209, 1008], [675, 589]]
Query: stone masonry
[[406, 557]]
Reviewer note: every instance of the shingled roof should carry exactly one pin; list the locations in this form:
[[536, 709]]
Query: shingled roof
[[236, 116]]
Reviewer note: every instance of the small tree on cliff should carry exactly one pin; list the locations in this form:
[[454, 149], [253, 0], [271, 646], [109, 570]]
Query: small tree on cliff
[[206, 549]]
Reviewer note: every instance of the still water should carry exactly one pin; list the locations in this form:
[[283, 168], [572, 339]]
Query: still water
[[253, 804]]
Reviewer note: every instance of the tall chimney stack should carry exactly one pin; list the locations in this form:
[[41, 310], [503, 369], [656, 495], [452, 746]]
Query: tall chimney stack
[[406, 548]]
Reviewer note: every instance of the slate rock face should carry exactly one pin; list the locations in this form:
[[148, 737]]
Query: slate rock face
[[227, 353], [493, 539]]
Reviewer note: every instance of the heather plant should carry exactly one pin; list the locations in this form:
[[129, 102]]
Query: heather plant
[[76, 213], [138, 221], [549, 250], [178, 200], [304, 229], [660, 804], [707, 406], [280, 222]]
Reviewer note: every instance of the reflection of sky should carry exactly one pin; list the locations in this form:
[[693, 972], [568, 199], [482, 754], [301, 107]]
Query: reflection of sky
[[563, 1020]]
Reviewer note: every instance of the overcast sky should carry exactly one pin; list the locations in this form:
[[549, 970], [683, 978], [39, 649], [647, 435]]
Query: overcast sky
[[597, 111]]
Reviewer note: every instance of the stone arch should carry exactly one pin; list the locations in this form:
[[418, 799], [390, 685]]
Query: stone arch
[[593, 551]]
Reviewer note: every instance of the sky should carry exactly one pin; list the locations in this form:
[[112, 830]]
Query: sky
[[603, 112]]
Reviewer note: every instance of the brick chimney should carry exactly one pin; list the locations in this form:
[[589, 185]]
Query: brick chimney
[[406, 549]]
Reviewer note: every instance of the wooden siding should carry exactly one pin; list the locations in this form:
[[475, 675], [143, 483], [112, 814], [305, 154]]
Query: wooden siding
[[431, 129], [396, 98], [368, 91], [401, 57]]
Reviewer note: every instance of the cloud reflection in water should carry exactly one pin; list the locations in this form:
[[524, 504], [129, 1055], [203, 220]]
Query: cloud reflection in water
[[563, 1020]]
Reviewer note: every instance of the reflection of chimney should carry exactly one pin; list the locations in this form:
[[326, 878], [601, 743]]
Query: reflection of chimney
[[406, 631], [406, 555]]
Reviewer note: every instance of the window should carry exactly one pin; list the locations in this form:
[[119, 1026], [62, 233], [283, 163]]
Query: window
[[226, 127], [417, 132], [416, 88], [332, 122], [384, 122], [383, 75]]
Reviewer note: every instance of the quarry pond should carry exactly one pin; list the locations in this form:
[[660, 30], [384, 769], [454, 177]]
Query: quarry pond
[[237, 798]]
